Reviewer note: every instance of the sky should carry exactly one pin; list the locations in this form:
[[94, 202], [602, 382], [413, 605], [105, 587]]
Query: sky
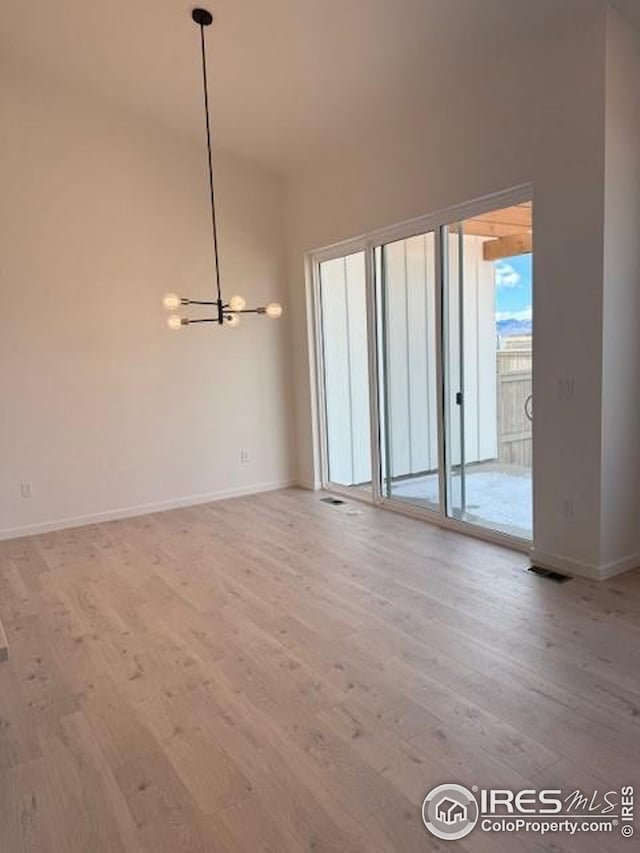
[[513, 288]]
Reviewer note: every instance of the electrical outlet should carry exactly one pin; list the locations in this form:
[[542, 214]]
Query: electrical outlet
[[25, 490], [244, 456]]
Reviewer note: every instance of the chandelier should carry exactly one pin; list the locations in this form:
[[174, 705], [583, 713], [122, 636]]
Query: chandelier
[[227, 313]]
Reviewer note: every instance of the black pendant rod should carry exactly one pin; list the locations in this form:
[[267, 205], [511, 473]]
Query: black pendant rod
[[203, 19]]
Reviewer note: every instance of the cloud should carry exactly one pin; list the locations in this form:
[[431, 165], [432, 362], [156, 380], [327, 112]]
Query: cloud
[[507, 276], [525, 314]]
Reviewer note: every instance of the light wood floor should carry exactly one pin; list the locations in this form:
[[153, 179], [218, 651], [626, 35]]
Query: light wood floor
[[276, 674]]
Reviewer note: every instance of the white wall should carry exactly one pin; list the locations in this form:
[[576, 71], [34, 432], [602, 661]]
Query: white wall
[[103, 409], [532, 111], [621, 388]]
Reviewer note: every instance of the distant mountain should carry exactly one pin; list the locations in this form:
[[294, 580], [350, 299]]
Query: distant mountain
[[511, 328]]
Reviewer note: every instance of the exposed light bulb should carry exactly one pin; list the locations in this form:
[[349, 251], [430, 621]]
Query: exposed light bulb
[[175, 322], [171, 301], [237, 303], [273, 310], [232, 320]]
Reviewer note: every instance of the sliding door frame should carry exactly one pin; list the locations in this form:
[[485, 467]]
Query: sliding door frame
[[438, 223], [349, 247]]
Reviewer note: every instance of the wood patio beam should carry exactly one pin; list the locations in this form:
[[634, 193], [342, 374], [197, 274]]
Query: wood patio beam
[[507, 247]]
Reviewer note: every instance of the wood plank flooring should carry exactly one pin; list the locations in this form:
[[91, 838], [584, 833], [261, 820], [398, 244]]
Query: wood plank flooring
[[276, 674]]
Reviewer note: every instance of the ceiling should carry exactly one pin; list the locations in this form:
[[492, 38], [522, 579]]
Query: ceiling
[[629, 8], [291, 79]]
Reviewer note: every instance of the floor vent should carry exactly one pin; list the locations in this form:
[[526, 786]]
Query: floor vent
[[549, 574], [332, 501]]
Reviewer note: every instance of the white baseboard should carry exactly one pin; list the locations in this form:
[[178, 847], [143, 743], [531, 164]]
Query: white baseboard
[[569, 566], [309, 485], [565, 565], [617, 567], [141, 509]]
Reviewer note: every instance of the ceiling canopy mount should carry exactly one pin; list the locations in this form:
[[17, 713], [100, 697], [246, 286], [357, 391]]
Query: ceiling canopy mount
[[202, 17]]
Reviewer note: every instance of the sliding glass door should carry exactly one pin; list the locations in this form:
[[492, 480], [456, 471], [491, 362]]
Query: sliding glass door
[[406, 272], [345, 371], [488, 357], [425, 344]]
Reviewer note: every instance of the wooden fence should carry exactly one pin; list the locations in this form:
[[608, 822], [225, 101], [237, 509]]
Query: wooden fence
[[515, 407]]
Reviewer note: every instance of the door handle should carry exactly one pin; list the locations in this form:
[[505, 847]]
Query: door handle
[[528, 407]]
